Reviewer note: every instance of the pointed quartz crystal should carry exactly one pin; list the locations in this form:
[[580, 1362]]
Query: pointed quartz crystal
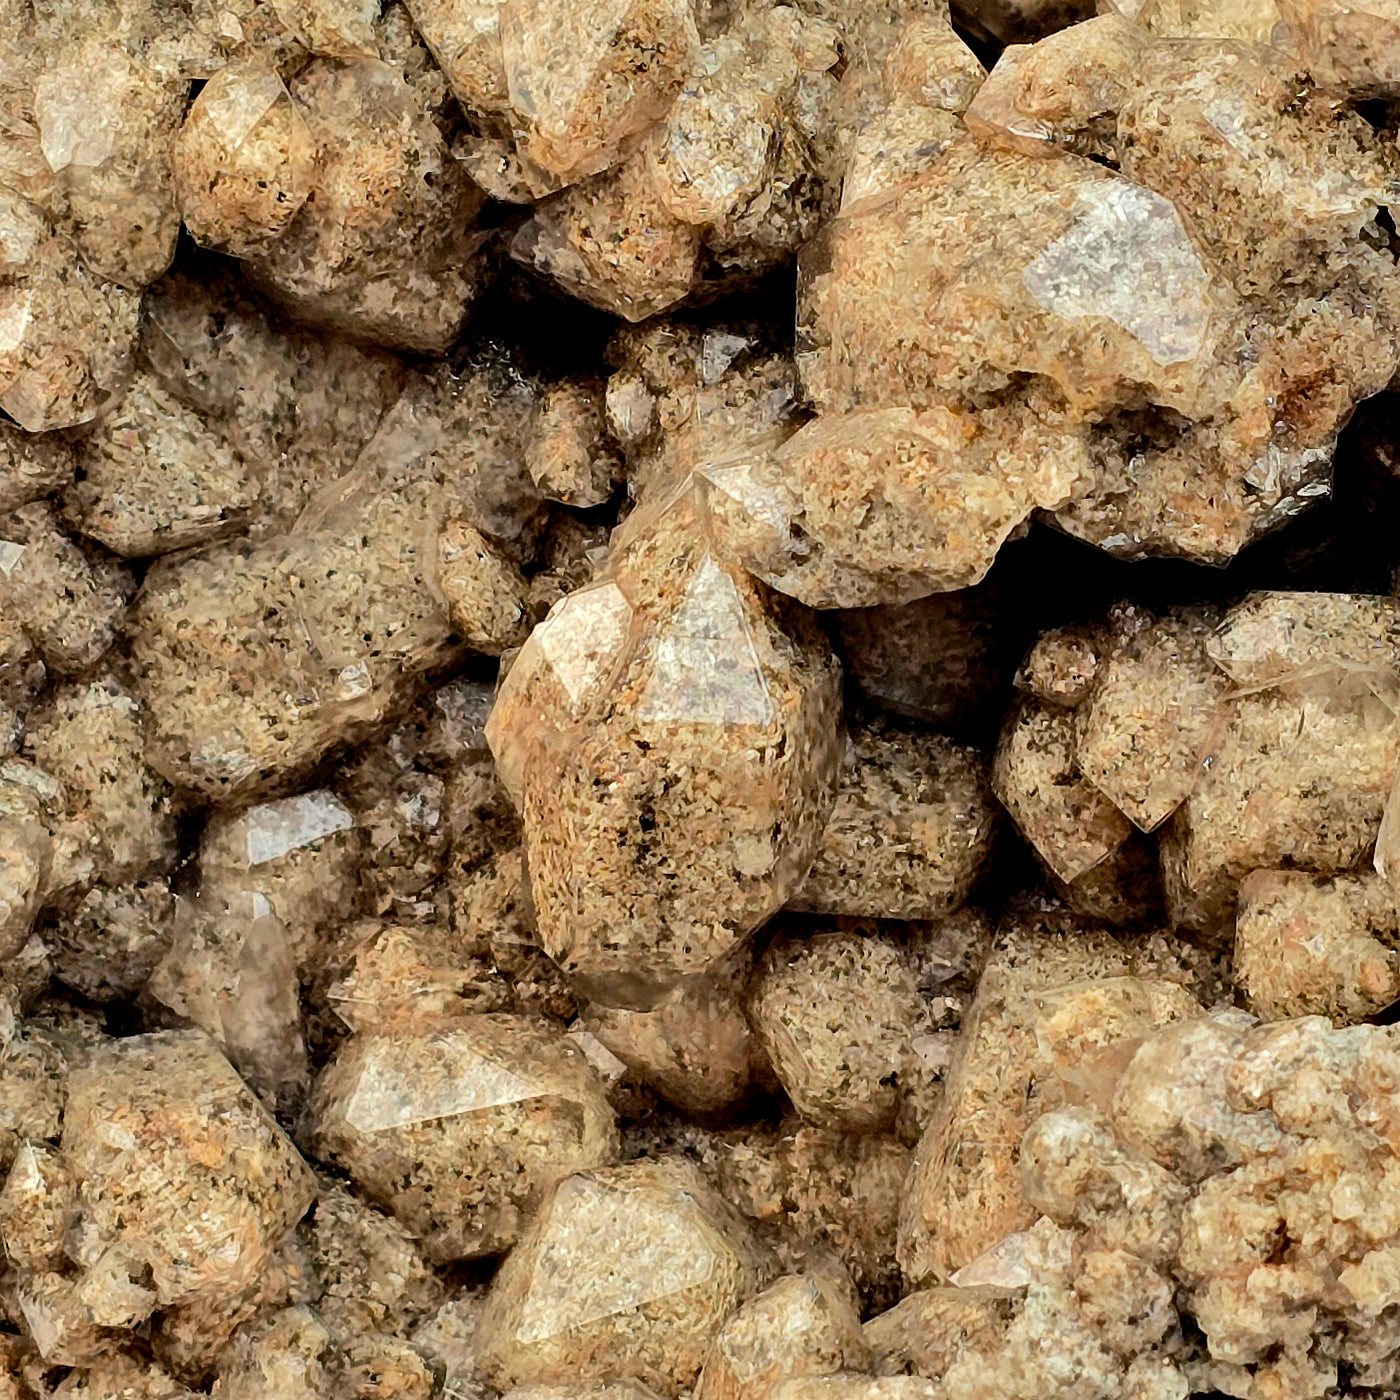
[[674, 666], [589, 77], [244, 160], [625, 1273]]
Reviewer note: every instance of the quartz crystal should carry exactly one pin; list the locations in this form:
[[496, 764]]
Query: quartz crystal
[[297, 856], [951, 488], [68, 605], [234, 975], [457, 1128], [244, 161], [1348, 46], [236, 707], [107, 125], [829, 1191], [155, 477], [626, 1272], [1050, 1013], [587, 81], [911, 830], [383, 247], [31, 465], [396, 975], [838, 1014], [1308, 945], [109, 944], [672, 668], [178, 1170], [801, 1325], [695, 1047]]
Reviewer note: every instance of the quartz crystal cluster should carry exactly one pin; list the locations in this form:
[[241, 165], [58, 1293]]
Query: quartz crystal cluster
[[699, 700]]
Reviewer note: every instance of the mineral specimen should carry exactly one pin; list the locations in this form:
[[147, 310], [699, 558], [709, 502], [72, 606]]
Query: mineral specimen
[[458, 1128]]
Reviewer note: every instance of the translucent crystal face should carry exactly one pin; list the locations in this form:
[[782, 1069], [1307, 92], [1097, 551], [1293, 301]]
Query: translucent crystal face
[[582, 638], [459, 1079], [1127, 258], [641, 1248], [706, 669]]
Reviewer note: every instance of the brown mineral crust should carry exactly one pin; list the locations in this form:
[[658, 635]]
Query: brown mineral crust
[[118, 1376], [457, 1128], [244, 162], [1047, 1010], [203, 1186], [22, 679], [26, 859], [910, 832], [1310, 642], [1306, 945], [1218, 127], [107, 124], [826, 1190], [68, 604], [936, 660], [587, 83], [1071, 825], [800, 1325], [695, 1047], [107, 947], [893, 149], [31, 465], [89, 739], [721, 155], [154, 477], [887, 505], [837, 1014], [383, 249], [705, 763], [611, 242], [624, 1273], [1156, 711]]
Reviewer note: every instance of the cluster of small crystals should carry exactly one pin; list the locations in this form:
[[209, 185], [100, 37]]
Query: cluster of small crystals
[[553, 846]]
